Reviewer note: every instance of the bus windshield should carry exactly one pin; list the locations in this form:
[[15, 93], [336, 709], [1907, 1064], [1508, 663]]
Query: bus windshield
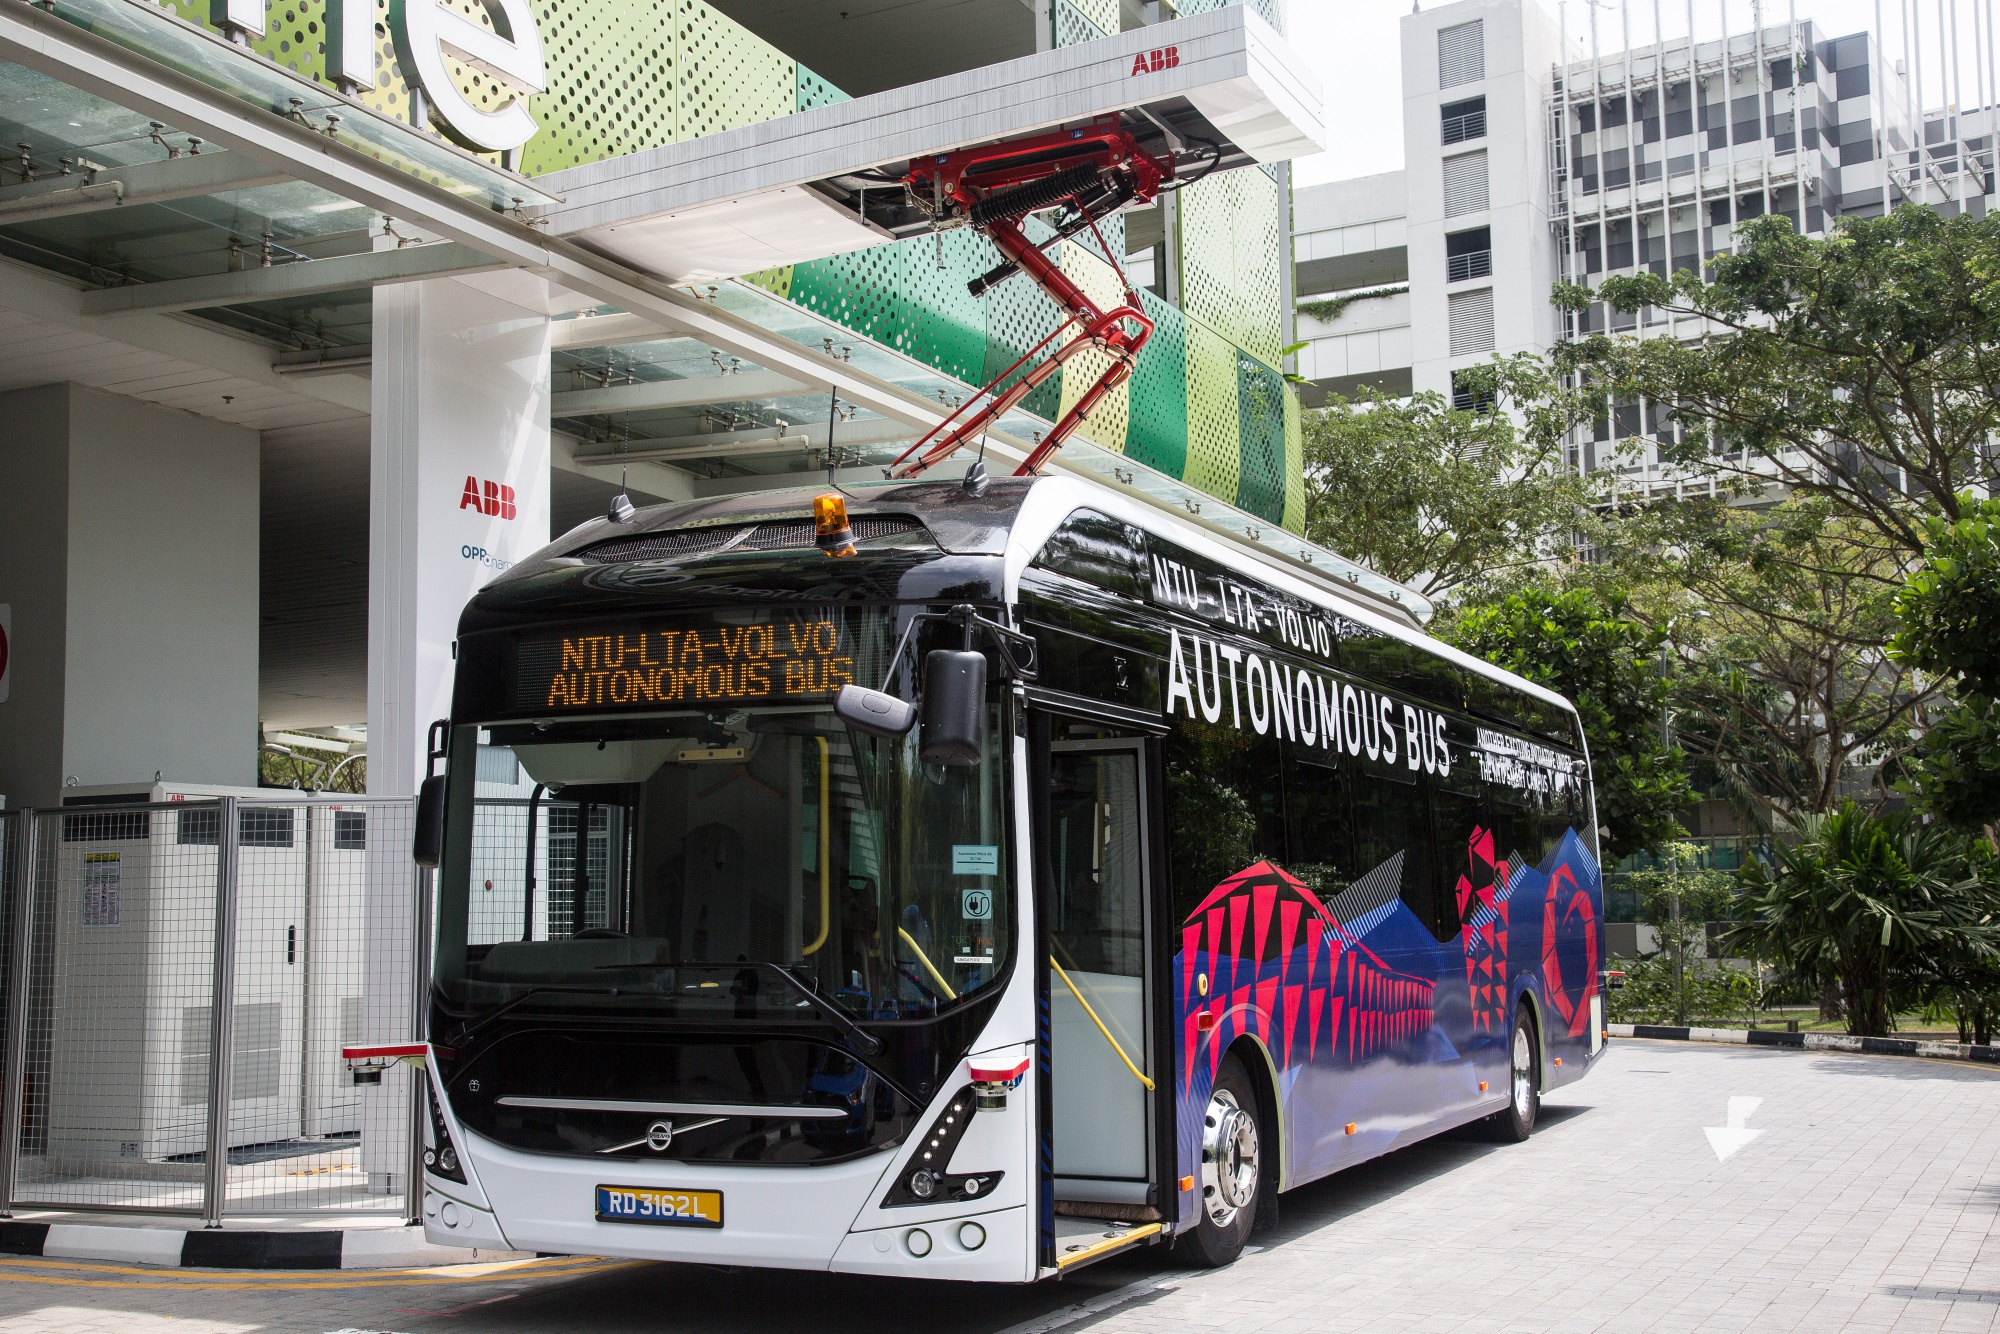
[[663, 859]]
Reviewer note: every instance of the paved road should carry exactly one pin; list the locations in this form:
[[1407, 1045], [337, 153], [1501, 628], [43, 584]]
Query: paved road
[[1867, 1198]]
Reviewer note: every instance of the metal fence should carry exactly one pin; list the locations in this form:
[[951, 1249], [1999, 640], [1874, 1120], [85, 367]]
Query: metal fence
[[143, 939]]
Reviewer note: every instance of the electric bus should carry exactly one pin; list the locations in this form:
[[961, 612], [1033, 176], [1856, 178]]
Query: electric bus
[[974, 881]]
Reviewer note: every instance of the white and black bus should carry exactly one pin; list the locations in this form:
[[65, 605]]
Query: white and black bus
[[972, 886]]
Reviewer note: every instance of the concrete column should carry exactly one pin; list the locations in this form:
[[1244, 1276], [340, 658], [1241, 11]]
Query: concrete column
[[458, 491], [129, 555]]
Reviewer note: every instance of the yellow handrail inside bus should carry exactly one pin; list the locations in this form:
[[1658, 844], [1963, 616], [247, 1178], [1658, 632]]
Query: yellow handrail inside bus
[[1100, 1024], [929, 967], [825, 854]]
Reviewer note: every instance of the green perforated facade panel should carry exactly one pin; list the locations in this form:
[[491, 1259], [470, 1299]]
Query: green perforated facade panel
[[1157, 434], [1106, 423], [727, 77], [861, 289], [1230, 279], [1214, 447], [945, 325], [1295, 469], [1073, 23], [612, 83], [1260, 416], [813, 91], [1268, 10]]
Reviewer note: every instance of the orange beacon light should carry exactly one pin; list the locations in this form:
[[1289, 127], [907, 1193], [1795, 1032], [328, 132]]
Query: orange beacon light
[[834, 535]]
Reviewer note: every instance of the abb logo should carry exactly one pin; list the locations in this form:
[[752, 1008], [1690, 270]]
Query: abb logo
[[489, 498], [1152, 62]]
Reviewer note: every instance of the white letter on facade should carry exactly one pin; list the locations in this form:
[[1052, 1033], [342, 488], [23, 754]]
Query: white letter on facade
[[428, 32]]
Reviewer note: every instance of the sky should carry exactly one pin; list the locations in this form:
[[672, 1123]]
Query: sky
[[1355, 46]]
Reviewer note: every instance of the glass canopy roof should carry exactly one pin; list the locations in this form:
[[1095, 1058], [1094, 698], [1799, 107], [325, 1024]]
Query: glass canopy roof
[[275, 222]]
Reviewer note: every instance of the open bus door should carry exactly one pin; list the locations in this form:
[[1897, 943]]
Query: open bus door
[[1111, 1067]]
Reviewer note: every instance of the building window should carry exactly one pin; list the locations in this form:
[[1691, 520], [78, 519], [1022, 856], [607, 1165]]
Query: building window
[[1468, 254], [1462, 54], [1471, 321], [1464, 120], [1465, 184], [1469, 397]]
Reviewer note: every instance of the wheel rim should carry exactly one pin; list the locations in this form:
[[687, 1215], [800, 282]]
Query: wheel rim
[[1524, 1073], [1228, 1158]]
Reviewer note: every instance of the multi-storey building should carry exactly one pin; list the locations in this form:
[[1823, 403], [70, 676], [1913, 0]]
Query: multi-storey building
[[1546, 146]]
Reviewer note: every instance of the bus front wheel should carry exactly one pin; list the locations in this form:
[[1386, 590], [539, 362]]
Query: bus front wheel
[[1232, 1169], [1524, 1083]]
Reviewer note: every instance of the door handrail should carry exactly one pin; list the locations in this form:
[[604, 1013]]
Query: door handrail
[[1100, 1024]]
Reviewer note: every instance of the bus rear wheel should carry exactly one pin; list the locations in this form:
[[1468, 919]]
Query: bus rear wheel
[[1232, 1170], [1524, 1083]]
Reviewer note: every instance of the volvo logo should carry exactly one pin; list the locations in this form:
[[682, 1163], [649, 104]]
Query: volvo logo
[[659, 1136]]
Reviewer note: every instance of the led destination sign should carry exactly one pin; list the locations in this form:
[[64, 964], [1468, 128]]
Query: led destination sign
[[688, 664]]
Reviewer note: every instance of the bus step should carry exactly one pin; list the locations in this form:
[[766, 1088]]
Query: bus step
[[1079, 1241]]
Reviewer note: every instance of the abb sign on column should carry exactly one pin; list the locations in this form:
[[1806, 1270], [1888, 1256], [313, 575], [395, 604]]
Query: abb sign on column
[[493, 499]]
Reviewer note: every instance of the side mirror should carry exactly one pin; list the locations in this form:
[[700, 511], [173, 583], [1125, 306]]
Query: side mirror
[[875, 712], [954, 707], [428, 842]]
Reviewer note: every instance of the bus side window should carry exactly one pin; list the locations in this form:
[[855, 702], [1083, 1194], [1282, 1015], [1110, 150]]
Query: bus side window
[[1100, 551], [1391, 817], [1224, 811], [1515, 818], [1456, 811], [1565, 811], [1389, 661], [1317, 822]]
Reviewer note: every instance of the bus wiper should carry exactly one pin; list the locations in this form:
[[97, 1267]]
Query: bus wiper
[[830, 1012], [487, 1016], [833, 1014]]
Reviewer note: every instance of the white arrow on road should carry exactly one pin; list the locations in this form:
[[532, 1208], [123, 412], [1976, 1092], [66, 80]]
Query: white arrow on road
[[1726, 1140]]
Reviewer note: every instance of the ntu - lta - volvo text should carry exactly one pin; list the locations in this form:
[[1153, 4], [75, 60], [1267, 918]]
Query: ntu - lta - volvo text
[[1001, 881]]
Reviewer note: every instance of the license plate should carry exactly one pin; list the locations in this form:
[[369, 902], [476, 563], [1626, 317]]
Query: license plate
[[648, 1204]]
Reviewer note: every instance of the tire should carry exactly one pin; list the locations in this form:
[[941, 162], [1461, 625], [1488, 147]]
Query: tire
[[1524, 1083], [1232, 1170]]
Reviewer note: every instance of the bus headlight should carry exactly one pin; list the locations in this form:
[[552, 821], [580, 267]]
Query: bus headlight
[[918, 1241], [971, 1236], [923, 1183]]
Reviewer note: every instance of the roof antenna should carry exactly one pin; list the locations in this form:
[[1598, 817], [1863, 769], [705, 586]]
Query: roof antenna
[[621, 511], [975, 480], [832, 411]]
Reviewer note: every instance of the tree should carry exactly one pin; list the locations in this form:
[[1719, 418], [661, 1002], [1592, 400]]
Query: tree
[[1950, 605], [1585, 644], [1434, 496], [1863, 367], [1867, 900], [1965, 982], [1778, 618], [1949, 615]]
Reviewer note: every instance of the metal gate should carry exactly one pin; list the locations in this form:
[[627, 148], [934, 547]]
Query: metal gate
[[143, 939]]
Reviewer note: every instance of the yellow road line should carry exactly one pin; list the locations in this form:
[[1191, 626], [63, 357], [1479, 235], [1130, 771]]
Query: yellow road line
[[345, 1279]]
